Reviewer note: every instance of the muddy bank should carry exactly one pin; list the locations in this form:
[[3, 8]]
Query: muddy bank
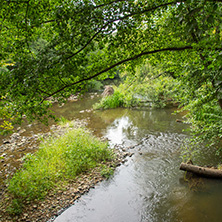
[[60, 198]]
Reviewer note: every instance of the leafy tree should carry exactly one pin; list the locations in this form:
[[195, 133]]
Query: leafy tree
[[57, 46]]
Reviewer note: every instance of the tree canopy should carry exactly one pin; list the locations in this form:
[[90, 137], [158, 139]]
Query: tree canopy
[[51, 48]]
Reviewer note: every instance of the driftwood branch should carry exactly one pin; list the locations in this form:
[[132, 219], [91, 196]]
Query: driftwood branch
[[201, 171]]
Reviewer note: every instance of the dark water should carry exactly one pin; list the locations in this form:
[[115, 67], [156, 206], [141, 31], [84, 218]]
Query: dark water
[[149, 186]]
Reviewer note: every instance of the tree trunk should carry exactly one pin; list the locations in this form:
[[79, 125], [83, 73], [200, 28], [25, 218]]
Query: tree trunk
[[201, 171]]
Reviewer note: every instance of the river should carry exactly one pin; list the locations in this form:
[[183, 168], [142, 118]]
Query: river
[[149, 186]]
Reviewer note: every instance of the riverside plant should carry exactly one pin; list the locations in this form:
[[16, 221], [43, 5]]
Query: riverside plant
[[57, 161], [136, 92], [111, 101], [120, 98]]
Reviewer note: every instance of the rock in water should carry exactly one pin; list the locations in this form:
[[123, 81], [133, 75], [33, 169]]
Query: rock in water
[[108, 91]]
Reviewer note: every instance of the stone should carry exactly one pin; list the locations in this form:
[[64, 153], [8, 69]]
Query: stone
[[108, 91]]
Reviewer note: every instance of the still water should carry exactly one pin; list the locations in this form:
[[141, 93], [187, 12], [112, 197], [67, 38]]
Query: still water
[[149, 186]]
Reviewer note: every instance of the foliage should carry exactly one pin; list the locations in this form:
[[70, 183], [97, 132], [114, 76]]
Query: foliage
[[110, 102], [206, 123], [63, 121], [56, 47], [5, 124], [94, 85], [57, 160], [16, 207], [142, 89], [107, 172]]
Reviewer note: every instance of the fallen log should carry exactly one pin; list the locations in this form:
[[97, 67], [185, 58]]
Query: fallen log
[[201, 171]]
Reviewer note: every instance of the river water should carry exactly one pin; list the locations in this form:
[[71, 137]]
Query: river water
[[149, 186]]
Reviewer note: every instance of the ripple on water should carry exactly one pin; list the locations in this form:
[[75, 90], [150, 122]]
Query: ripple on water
[[149, 187]]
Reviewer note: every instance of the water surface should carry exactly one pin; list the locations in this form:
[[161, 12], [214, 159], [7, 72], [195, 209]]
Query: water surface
[[149, 186]]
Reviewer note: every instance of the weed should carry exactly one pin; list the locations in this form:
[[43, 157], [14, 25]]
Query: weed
[[112, 101], [15, 208], [106, 172], [63, 121]]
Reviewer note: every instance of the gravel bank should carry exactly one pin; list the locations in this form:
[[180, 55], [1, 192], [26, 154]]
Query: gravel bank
[[60, 198]]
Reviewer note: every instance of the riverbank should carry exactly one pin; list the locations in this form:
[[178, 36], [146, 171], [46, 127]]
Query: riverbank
[[65, 194]]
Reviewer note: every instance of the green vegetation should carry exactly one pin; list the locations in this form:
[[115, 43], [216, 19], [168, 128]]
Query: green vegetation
[[107, 172], [152, 87], [206, 127], [63, 121], [55, 48], [111, 101], [58, 160], [142, 90]]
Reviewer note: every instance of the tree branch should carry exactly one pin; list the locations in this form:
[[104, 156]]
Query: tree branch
[[89, 41], [214, 0], [119, 63]]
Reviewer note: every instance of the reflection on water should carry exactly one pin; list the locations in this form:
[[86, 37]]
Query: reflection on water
[[149, 187]]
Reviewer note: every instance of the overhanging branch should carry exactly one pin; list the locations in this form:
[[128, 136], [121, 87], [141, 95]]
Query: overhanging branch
[[119, 63]]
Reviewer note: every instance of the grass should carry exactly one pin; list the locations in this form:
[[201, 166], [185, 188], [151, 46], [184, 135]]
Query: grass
[[63, 121], [136, 92], [57, 160], [107, 172], [110, 102]]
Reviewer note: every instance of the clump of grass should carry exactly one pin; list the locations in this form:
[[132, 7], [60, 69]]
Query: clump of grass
[[107, 172], [123, 96], [111, 101], [58, 159], [63, 121], [16, 207]]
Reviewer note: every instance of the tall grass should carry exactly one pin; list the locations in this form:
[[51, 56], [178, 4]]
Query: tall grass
[[111, 101], [58, 159]]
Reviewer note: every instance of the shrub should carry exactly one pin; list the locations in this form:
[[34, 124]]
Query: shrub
[[110, 102], [156, 92]]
